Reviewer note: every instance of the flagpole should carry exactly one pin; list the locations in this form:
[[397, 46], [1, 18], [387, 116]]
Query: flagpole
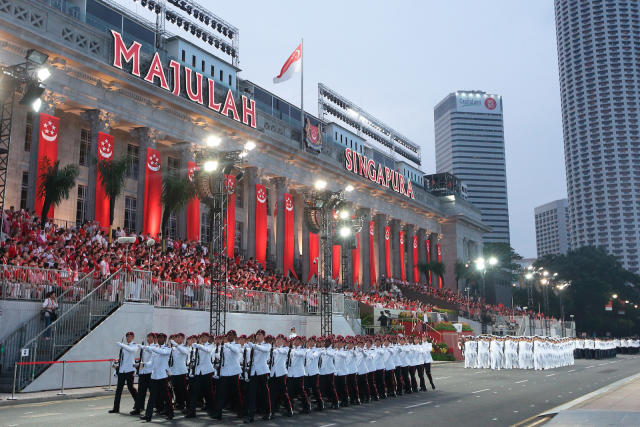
[[302, 90]]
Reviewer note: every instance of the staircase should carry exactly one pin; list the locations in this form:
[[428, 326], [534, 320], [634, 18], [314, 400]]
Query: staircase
[[411, 293], [34, 343]]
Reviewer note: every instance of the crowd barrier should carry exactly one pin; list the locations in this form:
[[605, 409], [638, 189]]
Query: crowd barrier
[[33, 284]]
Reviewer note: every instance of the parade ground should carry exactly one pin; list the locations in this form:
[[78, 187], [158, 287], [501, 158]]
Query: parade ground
[[478, 397]]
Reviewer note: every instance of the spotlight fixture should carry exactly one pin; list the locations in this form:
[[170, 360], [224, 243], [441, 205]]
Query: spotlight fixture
[[213, 141], [320, 184], [210, 165], [36, 56], [249, 145], [343, 214], [43, 73], [349, 188], [31, 96], [345, 232]]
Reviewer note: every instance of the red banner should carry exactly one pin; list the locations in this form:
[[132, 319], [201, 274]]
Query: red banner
[[403, 272], [416, 273], [105, 154], [335, 262], [440, 281], [152, 193], [372, 255], [355, 254], [314, 252], [387, 250], [429, 258], [193, 208], [230, 219], [289, 235], [261, 225], [47, 149]]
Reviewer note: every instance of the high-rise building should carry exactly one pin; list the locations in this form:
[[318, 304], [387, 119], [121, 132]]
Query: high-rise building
[[552, 228], [599, 58], [469, 138]]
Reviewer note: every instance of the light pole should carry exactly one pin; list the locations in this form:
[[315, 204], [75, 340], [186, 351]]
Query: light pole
[[481, 265]]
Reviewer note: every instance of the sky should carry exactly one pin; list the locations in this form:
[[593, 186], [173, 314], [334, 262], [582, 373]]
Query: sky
[[397, 59]]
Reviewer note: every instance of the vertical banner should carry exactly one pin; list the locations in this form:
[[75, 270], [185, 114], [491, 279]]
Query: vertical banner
[[372, 256], [355, 256], [335, 262], [261, 225], [193, 208], [230, 218], [429, 259], [440, 280], [387, 250], [314, 252], [47, 149], [105, 154], [289, 235], [416, 273], [152, 193], [403, 271]]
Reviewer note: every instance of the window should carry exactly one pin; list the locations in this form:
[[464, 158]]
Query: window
[[184, 56], [202, 67], [213, 71], [24, 189], [238, 240], [173, 165], [240, 196], [205, 228], [221, 76], [173, 226], [28, 131], [193, 60], [130, 209], [85, 143], [133, 154], [81, 205], [229, 79]]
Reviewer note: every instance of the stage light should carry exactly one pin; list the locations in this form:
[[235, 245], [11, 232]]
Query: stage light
[[213, 141], [43, 73], [210, 165], [36, 104], [345, 232], [243, 154], [544, 281], [343, 214], [320, 184], [250, 145], [614, 296], [349, 188], [37, 56], [493, 261], [32, 94], [528, 276], [545, 273]]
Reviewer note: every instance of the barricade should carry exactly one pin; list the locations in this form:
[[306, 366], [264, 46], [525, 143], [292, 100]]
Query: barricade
[[58, 362]]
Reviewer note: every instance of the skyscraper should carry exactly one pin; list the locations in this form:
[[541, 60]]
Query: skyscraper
[[599, 58], [469, 138], [551, 228]]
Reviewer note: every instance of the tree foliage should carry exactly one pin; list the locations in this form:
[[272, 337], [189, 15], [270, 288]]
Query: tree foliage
[[56, 184], [112, 176], [177, 192]]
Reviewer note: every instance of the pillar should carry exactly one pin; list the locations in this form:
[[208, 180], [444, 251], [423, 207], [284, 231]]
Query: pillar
[[280, 184], [408, 246], [186, 156], [395, 248], [251, 179], [381, 223], [365, 277], [422, 254]]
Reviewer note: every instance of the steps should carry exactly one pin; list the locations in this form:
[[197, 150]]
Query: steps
[[419, 296]]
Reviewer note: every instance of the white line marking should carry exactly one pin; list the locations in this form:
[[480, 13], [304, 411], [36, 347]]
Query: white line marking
[[602, 364], [328, 425], [521, 381], [480, 391], [47, 414], [572, 370], [589, 367], [416, 405], [441, 378], [550, 375]]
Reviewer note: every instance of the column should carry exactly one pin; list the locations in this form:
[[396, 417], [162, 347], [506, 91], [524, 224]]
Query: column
[[186, 156], [381, 223], [300, 248], [146, 138], [422, 254], [395, 248], [365, 277], [280, 184], [408, 246], [251, 178], [99, 121]]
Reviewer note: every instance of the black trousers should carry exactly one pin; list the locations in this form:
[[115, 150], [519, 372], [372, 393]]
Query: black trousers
[[295, 387], [342, 388], [379, 379], [122, 379], [427, 370], [373, 388], [399, 380], [228, 390], [258, 395], [278, 389], [423, 385], [353, 387], [390, 382], [179, 383], [328, 388], [405, 379], [143, 385], [160, 396], [312, 383], [364, 388], [202, 388], [412, 378]]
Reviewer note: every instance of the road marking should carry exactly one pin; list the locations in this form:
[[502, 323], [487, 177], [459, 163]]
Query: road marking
[[46, 414], [550, 375], [371, 422], [572, 370], [602, 364], [27, 413], [589, 367], [328, 425], [521, 381], [441, 378], [416, 405], [480, 391]]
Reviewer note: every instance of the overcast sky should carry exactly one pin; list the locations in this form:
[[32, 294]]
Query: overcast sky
[[397, 59]]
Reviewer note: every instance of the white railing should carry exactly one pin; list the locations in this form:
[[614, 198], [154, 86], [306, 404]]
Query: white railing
[[33, 284]]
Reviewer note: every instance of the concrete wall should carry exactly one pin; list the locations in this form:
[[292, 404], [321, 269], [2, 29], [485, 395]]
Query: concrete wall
[[14, 313], [143, 318]]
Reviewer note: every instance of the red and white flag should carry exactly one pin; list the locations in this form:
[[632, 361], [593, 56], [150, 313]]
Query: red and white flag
[[291, 66]]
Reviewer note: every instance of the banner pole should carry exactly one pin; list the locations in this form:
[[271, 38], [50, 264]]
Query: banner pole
[[302, 91]]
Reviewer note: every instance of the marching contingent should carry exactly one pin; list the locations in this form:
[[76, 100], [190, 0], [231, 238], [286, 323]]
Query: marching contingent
[[539, 353], [259, 373]]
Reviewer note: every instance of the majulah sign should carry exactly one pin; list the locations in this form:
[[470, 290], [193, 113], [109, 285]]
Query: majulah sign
[[197, 89], [381, 175]]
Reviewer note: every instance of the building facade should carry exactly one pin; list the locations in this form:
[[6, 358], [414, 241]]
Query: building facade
[[552, 228], [148, 101], [598, 58]]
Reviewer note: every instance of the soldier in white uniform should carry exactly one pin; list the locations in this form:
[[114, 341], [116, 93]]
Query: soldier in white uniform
[[510, 353], [296, 373], [159, 389], [258, 391], [327, 373], [389, 368], [470, 353], [280, 355], [484, 358], [203, 372], [228, 387], [178, 369], [312, 379], [125, 370], [144, 373], [495, 349]]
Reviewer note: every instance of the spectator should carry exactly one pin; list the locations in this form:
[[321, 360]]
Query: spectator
[[49, 311]]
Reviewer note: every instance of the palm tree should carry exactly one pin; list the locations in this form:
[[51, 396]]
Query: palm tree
[[436, 268], [177, 192], [461, 271], [55, 185], [112, 176]]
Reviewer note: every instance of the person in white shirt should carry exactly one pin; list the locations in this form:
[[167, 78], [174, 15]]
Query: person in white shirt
[[178, 369], [470, 353], [49, 308], [327, 373], [389, 368], [125, 370], [280, 355], [228, 386], [202, 372], [362, 386], [428, 348], [311, 364], [145, 368], [293, 334], [159, 379], [340, 362], [258, 391], [378, 363], [296, 373]]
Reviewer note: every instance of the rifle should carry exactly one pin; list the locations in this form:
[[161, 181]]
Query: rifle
[[116, 364], [140, 362]]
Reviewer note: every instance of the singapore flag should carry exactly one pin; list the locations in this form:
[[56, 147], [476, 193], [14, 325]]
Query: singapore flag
[[291, 66]]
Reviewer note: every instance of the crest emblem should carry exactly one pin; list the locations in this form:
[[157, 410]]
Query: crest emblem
[[386, 234], [261, 195], [313, 136], [191, 173], [402, 239], [153, 163], [415, 243], [288, 204], [106, 148], [49, 131], [230, 183], [371, 229]]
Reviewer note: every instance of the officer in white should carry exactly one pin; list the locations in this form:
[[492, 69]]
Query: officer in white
[[495, 349], [159, 379], [296, 373], [178, 370], [258, 377], [228, 387], [125, 370], [470, 353]]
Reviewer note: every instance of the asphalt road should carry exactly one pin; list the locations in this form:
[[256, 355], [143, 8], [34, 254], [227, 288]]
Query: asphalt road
[[463, 398]]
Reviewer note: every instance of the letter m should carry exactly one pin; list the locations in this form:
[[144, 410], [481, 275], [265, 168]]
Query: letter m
[[121, 52]]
